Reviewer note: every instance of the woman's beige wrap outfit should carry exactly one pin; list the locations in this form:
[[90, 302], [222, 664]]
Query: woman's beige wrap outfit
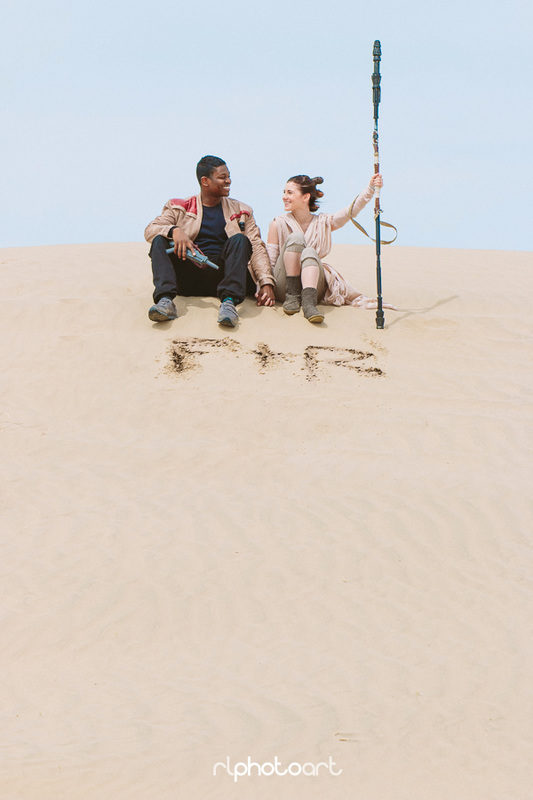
[[332, 288]]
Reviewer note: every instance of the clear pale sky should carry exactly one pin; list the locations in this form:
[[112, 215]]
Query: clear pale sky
[[107, 107]]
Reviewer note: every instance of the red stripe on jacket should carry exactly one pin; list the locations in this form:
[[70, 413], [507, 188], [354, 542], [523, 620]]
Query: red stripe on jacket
[[189, 204]]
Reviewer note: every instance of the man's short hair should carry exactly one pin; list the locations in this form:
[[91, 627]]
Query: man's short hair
[[206, 165]]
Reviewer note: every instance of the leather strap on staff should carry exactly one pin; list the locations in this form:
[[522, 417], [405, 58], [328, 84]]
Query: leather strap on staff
[[384, 224]]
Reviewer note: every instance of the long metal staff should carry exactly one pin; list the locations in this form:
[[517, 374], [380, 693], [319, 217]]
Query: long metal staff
[[376, 96]]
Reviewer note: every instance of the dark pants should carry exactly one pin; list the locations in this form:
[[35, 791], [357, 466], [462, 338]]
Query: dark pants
[[173, 275]]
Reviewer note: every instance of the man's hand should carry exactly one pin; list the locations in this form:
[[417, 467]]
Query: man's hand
[[181, 243], [265, 295], [376, 180]]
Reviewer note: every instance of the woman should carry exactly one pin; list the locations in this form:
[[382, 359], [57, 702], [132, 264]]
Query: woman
[[298, 241]]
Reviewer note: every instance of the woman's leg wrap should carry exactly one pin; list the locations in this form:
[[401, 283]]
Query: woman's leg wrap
[[294, 243]]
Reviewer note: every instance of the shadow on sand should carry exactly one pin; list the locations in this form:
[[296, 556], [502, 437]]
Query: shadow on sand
[[409, 312]]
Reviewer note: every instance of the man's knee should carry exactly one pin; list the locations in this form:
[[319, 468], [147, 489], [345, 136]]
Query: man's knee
[[239, 240], [295, 243], [159, 244]]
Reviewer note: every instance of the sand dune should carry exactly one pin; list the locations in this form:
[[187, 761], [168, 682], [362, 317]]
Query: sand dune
[[289, 540]]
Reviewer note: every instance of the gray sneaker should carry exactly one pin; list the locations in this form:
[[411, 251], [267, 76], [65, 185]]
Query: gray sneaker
[[227, 313], [163, 310]]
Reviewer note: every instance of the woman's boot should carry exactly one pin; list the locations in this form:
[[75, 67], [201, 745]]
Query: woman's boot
[[309, 299], [293, 294]]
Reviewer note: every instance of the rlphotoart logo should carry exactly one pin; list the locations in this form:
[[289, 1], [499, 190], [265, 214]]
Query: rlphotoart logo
[[243, 769]]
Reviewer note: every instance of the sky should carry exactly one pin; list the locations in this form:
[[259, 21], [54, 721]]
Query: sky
[[108, 106]]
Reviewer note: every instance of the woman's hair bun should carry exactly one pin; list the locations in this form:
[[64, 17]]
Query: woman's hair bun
[[316, 181]]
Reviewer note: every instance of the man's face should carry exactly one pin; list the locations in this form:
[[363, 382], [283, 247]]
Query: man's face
[[219, 182]]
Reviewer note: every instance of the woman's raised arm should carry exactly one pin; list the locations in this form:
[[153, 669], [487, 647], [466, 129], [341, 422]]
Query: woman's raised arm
[[340, 218]]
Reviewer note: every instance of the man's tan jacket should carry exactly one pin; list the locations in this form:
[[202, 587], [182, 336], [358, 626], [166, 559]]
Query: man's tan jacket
[[187, 216]]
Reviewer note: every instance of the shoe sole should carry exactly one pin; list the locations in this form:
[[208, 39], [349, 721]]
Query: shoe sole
[[227, 323], [157, 316], [290, 313], [316, 318]]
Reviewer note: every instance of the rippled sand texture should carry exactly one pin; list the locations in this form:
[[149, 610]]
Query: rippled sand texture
[[299, 542]]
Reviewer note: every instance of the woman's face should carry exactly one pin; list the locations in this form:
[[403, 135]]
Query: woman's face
[[293, 199]]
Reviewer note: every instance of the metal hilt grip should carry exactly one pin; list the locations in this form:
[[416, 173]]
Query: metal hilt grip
[[376, 78]]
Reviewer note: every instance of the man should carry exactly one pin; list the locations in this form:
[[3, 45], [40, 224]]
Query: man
[[225, 231]]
